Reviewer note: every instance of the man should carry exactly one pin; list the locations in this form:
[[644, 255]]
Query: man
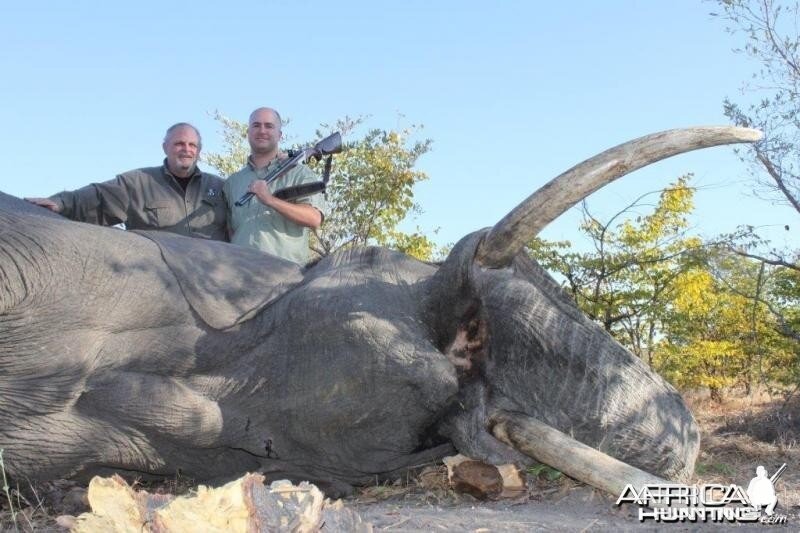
[[175, 197], [275, 226]]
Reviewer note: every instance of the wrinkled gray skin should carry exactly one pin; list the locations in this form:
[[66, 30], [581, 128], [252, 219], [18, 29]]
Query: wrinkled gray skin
[[156, 354]]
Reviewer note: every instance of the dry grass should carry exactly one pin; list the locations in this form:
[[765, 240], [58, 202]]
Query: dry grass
[[747, 431], [24, 510], [430, 486]]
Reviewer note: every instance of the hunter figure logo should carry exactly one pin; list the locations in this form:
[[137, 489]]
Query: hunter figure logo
[[711, 502], [761, 490], [211, 193]]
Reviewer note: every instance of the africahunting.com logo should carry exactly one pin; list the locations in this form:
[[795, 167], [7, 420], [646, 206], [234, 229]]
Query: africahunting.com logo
[[712, 502]]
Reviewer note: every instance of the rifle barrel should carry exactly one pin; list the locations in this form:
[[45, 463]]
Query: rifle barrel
[[777, 473], [332, 144]]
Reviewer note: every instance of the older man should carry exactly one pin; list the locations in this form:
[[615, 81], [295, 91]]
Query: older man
[[269, 223], [175, 197]]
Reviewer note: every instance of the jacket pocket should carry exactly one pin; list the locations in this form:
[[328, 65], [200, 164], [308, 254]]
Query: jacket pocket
[[159, 214]]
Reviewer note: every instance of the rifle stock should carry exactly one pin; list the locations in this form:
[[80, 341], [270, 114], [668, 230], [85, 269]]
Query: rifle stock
[[298, 191]]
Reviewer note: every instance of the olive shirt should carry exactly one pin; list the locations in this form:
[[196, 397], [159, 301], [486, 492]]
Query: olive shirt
[[261, 227], [151, 198]]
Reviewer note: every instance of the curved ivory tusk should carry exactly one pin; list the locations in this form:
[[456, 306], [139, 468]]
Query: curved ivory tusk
[[526, 220], [573, 458]]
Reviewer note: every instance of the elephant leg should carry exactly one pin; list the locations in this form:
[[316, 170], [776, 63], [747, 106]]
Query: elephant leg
[[158, 406], [63, 444], [181, 416]]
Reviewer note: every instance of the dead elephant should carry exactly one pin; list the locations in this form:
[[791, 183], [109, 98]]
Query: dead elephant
[[155, 353]]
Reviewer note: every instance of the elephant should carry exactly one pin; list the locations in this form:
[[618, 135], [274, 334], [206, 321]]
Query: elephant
[[154, 353]]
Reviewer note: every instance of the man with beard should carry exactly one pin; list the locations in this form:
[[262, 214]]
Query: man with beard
[[268, 223], [175, 197]]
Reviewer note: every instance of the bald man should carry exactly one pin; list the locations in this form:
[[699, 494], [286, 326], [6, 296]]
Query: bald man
[[268, 223], [175, 197]]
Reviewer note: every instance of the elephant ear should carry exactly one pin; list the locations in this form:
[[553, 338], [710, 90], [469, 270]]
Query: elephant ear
[[225, 284]]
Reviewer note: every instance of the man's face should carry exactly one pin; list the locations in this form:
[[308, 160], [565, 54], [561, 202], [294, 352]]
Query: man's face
[[182, 148], [263, 132]]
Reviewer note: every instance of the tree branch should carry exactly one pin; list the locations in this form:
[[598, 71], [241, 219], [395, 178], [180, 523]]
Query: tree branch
[[778, 179]]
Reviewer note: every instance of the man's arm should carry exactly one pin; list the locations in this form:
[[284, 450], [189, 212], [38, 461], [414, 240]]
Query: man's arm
[[105, 203], [301, 214]]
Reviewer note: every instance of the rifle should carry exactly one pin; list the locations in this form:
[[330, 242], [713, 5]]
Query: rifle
[[777, 474], [332, 144]]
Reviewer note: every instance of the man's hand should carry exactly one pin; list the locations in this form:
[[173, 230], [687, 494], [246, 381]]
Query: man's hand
[[45, 202], [262, 192]]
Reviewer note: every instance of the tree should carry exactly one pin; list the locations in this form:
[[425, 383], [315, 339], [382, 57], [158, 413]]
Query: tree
[[770, 29], [698, 314], [370, 191], [717, 330], [628, 278], [771, 39]]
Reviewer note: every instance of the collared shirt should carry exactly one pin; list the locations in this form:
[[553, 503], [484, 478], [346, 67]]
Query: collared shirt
[[152, 199], [261, 227]]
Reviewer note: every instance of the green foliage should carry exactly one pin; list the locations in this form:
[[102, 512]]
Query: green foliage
[[234, 141], [714, 468], [769, 35], [416, 245], [627, 279], [717, 334], [698, 314], [371, 192], [541, 469], [370, 189]]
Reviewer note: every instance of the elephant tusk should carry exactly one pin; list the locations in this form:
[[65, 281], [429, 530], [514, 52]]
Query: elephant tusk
[[560, 451], [525, 221]]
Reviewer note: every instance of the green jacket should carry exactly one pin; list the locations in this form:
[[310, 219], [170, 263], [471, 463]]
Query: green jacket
[[152, 199]]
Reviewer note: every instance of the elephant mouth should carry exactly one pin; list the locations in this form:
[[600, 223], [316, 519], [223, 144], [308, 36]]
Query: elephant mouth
[[468, 351]]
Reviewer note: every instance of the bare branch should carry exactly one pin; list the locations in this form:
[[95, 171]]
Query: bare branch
[[778, 179], [774, 262]]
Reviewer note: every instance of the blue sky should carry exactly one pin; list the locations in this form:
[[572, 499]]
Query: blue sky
[[512, 93]]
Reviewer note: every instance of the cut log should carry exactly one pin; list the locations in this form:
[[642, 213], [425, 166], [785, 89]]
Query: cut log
[[478, 479], [484, 481]]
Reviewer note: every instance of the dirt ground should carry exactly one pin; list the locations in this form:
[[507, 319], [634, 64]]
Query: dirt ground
[[737, 436]]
